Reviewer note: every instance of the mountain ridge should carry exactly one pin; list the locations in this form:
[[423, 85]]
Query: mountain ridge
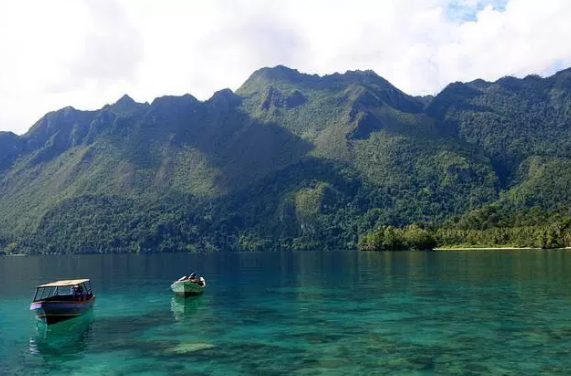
[[349, 73]]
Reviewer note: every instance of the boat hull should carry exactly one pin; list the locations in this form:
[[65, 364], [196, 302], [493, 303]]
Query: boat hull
[[52, 312], [187, 288]]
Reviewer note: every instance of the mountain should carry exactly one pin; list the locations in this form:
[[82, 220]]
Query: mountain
[[288, 161]]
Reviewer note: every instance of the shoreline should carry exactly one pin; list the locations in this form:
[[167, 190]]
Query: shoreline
[[440, 249]]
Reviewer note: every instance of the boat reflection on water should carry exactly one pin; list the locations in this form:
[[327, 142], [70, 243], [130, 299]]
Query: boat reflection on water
[[68, 339], [183, 307]]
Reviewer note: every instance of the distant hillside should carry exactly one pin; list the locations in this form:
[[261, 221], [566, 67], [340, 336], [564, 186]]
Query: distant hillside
[[289, 161]]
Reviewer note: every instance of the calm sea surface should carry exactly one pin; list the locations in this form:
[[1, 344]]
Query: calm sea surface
[[314, 313]]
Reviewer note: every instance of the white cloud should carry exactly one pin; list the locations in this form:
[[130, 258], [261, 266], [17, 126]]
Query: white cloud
[[87, 53]]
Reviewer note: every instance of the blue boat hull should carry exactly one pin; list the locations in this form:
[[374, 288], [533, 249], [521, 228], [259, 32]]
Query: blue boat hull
[[52, 312]]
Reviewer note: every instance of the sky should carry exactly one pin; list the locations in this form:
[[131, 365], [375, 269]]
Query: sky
[[87, 53]]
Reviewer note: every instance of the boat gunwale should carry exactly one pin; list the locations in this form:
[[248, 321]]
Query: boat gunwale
[[65, 301]]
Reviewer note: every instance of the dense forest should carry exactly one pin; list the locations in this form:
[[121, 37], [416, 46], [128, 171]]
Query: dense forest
[[292, 161], [487, 227]]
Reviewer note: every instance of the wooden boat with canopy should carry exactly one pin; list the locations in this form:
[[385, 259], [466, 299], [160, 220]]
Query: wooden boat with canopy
[[62, 300]]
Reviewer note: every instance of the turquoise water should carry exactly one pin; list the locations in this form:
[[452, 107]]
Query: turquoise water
[[333, 313]]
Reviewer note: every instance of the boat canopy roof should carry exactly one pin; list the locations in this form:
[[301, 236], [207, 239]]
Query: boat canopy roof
[[68, 282]]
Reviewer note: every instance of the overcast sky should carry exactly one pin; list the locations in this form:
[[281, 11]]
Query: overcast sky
[[86, 53]]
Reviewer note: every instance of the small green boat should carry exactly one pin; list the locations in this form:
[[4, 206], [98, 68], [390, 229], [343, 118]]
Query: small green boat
[[187, 286]]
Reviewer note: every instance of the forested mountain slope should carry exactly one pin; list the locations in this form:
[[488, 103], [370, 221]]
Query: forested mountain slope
[[289, 161]]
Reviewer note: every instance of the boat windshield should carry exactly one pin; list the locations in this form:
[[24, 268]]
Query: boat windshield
[[63, 290]]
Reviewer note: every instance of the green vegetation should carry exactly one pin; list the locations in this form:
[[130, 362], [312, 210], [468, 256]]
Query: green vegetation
[[388, 238], [487, 227], [294, 161], [498, 226]]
